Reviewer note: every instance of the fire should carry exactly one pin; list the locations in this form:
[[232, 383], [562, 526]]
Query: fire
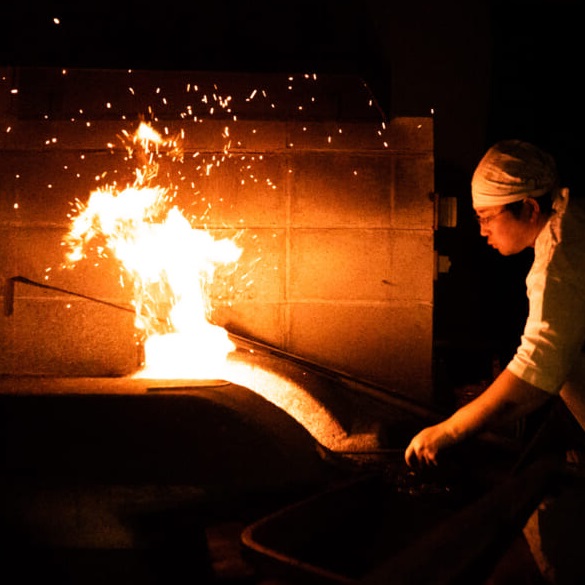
[[167, 261]]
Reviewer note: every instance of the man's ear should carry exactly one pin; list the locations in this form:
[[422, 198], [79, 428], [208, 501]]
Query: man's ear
[[532, 207]]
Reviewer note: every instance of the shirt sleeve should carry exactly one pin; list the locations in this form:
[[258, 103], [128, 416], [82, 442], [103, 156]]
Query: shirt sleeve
[[554, 333]]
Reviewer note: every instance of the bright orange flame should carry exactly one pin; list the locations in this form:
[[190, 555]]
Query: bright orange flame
[[168, 262]]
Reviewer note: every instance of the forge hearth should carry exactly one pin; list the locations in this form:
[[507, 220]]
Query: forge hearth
[[154, 480]]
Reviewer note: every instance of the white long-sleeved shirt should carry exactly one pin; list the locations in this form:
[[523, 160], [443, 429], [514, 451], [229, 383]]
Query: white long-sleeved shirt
[[550, 352]]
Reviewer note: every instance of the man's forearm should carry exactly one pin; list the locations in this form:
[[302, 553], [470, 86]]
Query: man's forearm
[[507, 399]]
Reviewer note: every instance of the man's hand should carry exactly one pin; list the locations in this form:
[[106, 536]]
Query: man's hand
[[425, 447], [505, 400]]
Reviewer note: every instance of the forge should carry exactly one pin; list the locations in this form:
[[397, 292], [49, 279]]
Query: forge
[[331, 205], [111, 474]]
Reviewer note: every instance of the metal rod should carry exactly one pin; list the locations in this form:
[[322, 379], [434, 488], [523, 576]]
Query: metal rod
[[8, 297], [376, 390], [30, 282]]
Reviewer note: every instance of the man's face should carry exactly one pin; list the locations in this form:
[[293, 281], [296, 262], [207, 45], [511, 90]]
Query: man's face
[[504, 231]]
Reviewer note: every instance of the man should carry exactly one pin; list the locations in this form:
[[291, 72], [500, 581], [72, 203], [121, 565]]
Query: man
[[519, 204]]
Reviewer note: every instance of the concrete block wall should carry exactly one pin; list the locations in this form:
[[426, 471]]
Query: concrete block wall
[[332, 207]]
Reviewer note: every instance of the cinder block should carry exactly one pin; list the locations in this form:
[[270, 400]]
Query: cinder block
[[38, 255], [341, 264], [412, 194], [389, 343], [67, 338], [410, 134], [366, 265], [411, 274], [242, 134], [261, 321], [341, 190], [46, 185], [338, 136], [7, 258], [259, 275], [227, 193]]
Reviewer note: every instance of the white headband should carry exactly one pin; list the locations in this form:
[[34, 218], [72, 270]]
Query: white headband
[[512, 170]]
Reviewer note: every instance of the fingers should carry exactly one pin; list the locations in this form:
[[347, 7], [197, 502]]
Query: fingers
[[410, 456], [420, 461], [420, 453]]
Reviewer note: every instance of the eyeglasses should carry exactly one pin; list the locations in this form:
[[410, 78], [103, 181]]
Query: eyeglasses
[[486, 219]]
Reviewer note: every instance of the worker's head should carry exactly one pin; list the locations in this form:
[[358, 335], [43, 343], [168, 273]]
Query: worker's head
[[512, 189], [512, 170]]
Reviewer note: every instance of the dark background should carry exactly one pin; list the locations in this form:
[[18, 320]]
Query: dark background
[[485, 70]]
